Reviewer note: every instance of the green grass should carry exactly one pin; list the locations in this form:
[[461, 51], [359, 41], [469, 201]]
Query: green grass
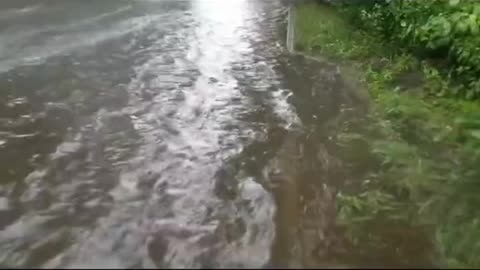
[[329, 36], [427, 173]]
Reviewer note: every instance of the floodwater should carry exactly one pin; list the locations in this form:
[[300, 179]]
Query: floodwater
[[165, 134]]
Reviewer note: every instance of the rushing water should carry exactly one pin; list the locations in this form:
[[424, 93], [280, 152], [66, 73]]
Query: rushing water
[[164, 134]]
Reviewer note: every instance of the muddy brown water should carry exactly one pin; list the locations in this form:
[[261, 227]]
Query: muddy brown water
[[166, 134]]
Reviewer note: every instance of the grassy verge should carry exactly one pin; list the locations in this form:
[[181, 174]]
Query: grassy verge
[[427, 174]]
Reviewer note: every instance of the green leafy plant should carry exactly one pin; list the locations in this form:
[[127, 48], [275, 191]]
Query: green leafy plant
[[439, 29]]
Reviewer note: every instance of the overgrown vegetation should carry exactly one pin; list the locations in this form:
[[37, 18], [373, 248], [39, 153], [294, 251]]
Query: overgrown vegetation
[[425, 140], [444, 30]]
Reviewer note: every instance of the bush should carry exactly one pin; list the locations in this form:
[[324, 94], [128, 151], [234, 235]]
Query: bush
[[441, 29]]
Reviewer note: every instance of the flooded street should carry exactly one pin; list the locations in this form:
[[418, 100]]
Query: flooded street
[[165, 134]]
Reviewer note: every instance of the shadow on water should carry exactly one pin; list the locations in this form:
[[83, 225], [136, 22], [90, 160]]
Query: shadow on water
[[299, 165], [304, 170], [308, 168]]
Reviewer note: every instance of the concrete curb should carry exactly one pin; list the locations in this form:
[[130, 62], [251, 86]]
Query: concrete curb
[[291, 29]]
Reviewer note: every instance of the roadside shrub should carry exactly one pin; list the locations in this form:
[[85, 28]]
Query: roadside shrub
[[444, 30]]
